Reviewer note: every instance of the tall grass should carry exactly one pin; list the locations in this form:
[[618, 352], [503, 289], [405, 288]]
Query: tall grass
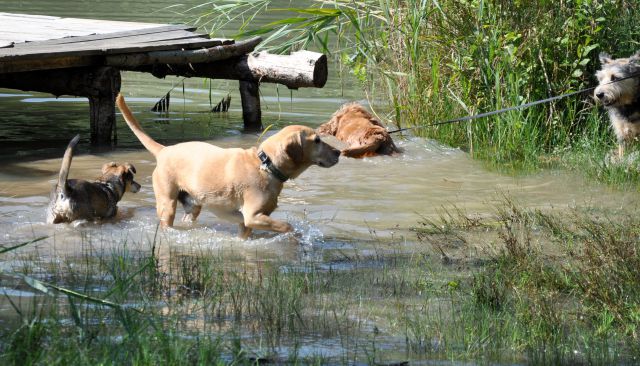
[[433, 60], [543, 288]]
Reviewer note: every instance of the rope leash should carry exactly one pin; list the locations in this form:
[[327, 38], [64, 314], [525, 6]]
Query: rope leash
[[522, 106]]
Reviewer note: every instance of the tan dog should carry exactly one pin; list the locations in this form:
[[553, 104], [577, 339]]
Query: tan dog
[[364, 134], [238, 185], [77, 199]]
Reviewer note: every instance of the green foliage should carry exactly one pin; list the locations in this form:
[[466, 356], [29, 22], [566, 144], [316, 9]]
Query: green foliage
[[434, 60], [563, 283]]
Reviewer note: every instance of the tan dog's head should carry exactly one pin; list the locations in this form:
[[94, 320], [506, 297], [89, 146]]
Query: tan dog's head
[[295, 148], [123, 173]]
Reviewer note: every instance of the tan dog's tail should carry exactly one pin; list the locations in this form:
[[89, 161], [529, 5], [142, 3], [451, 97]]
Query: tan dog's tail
[[66, 164], [147, 141]]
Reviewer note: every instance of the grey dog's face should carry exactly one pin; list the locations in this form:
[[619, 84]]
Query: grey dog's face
[[613, 89]]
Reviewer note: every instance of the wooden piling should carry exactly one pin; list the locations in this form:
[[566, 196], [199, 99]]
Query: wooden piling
[[99, 84], [102, 107], [250, 99]]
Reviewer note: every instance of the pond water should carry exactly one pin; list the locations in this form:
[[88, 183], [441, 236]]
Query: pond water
[[355, 204]]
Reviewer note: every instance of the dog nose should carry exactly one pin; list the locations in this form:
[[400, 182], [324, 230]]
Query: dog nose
[[600, 95]]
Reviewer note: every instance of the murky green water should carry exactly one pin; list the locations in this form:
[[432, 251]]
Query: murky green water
[[350, 206]]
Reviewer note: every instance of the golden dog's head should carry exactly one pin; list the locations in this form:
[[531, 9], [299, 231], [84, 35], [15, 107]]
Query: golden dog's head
[[122, 173], [295, 148]]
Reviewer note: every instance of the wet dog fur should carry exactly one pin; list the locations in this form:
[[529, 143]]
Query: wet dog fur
[[77, 199], [233, 183], [364, 134], [621, 98]]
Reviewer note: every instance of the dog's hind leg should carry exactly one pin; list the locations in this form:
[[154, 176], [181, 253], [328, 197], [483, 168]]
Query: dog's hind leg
[[166, 201], [191, 207]]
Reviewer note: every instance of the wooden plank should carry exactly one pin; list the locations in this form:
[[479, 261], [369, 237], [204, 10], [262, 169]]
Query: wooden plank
[[223, 52], [27, 27], [69, 45], [53, 51], [49, 63], [108, 36]]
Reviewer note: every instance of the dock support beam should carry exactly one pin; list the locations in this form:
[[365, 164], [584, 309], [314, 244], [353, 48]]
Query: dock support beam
[[99, 84], [250, 99], [102, 108]]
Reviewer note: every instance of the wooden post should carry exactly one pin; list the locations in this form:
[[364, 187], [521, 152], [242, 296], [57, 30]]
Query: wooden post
[[102, 107], [99, 84], [250, 99]]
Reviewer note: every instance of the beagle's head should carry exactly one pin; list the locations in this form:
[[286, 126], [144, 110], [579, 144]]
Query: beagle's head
[[122, 173]]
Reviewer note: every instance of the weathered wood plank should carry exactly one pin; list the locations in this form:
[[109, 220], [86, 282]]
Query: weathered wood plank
[[108, 36], [51, 51], [222, 52], [49, 63], [23, 25], [43, 47]]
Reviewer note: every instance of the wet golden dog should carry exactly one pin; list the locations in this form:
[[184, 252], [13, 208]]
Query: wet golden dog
[[238, 185], [77, 199], [355, 126]]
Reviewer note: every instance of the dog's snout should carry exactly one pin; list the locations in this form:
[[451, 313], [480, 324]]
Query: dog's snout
[[135, 187], [600, 95]]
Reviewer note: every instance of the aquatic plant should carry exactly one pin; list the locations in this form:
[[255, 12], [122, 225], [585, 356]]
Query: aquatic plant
[[516, 285]]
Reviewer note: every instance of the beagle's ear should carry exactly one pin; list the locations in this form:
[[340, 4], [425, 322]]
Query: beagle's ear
[[107, 166], [293, 148], [130, 167]]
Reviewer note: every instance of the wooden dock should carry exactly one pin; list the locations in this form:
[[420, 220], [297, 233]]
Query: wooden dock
[[84, 57]]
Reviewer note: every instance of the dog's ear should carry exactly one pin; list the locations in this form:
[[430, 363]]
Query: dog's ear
[[635, 58], [328, 128], [605, 58], [107, 166], [293, 148], [130, 167]]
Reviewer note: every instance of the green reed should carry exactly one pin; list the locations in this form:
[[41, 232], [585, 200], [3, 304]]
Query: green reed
[[515, 285], [434, 60]]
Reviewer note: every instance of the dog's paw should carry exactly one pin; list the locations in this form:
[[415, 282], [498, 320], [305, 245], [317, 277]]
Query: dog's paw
[[80, 223]]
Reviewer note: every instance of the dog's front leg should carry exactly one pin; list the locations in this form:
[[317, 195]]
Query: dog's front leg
[[260, 221]]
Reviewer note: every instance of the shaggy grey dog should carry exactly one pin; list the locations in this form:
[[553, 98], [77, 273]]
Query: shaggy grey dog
[[620, 98]]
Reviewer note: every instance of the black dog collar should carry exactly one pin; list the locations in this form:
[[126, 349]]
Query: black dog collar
[[268, 166]]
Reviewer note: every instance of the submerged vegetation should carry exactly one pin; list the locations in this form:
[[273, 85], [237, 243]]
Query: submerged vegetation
[[437, 60], [479, 287]]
